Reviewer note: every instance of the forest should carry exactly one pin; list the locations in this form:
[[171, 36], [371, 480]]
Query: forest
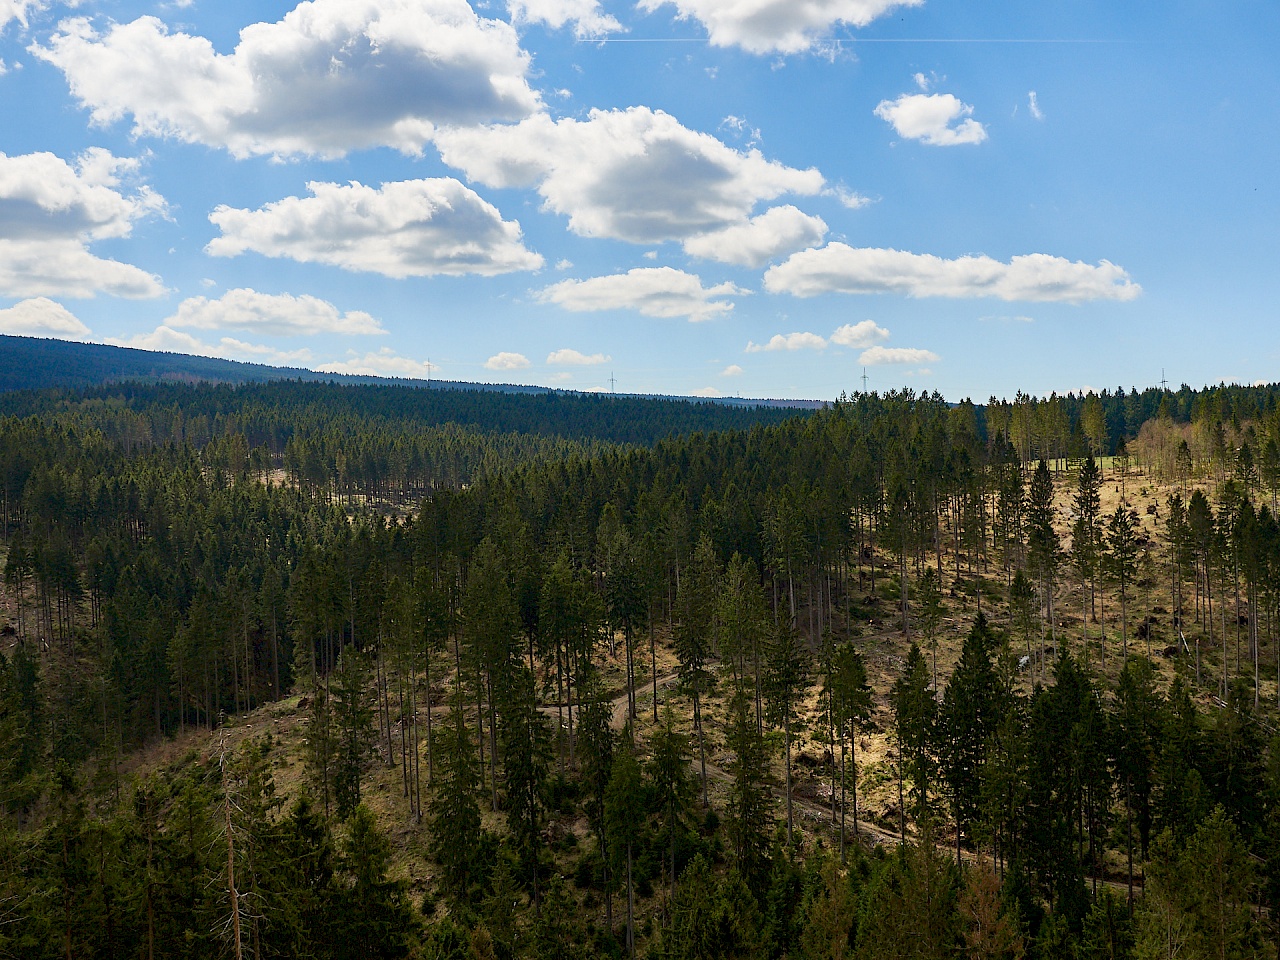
[[315, 670]]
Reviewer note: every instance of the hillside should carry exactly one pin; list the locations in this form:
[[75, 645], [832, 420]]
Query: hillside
[[33, 363], [688, 698]]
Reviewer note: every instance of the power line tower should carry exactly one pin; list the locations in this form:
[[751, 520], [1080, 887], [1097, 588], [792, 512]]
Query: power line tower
[[864, 380], [613, 382]]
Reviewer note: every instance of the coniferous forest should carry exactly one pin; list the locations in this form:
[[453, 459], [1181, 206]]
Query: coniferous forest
[[313, 670]]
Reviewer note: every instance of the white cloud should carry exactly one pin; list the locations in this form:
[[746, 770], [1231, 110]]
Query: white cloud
[[330, 77], [859, 335], [1033, 104], [921, 81], [900, 355], [412, 228], [1006, 319], [777, 26], [384, 363], [564, 264], [281, 315], [732, 370], [572, 358], [507, 361], [937, 119], [849, 199], [42, 196], [50, 211], [19, 10], [706, 392], [790, 341], [168, 340], [41, 317], [3, 69], [776, 232], [589, 21], [65, 268], [839, 268], [634, 174], [651, 291]]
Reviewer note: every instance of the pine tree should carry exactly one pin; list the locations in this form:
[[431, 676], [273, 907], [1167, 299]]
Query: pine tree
[[1122, 562], [851, 708], [456, 832], [1135, 729], [353, 727], [526, 746], [971, 708], [1043, 547], [673, 789], [624, 818], [787, 668], [1199, 899], [748, 815], [914, 717], [1086, 537], [375, 919], [694, 635], [929, 603]]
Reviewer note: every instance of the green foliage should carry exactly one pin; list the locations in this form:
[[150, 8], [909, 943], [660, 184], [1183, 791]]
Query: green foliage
[[1198, 897], [454, 813], [749, 817], [353, 729], [971, 707]]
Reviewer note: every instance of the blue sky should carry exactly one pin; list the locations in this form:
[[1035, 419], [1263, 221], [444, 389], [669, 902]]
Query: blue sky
[[735, 197]]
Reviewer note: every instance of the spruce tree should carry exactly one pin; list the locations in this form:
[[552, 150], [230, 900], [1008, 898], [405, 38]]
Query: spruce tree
[[1043, 546], [970, 710], [454, 813], [787, 669], [749, 818], [914, 718], [354, 731]]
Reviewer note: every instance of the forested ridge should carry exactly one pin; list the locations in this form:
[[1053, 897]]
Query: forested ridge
[[305, 670]]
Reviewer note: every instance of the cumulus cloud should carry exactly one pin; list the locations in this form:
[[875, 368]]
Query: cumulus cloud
[[651, 291], [875, 356], [507, 361], [384, 363], [839, 268], [168, 340], [634, 175], [411, 228], [706, 392], [44, 197], [790, 341], [777, 26], [52, 210], [278, 314], [859, 335], [19, 10], [573, 358], [1033, 104], [732, 370], [589, 21], [775, 233], [937, 119], [330, 77], [65, 268], [41, 317]]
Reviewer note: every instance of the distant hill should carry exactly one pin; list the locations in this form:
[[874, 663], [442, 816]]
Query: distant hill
[[31, 363]]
